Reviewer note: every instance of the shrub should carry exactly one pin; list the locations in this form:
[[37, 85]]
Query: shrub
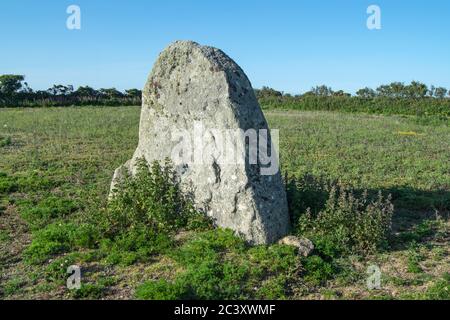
[[348, 224], [152, 198], [146, 210], [306, 192]]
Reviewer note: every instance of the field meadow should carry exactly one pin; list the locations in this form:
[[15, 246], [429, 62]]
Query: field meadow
[[56, 166]]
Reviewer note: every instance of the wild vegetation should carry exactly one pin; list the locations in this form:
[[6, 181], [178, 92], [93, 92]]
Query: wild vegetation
[[396, 98], [415, 99], [15, 92], [367, 190]]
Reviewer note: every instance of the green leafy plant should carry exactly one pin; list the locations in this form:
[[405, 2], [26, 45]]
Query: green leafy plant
[[217, 264], [317, 270], [152, 198], [348, 224], [58, 238], [145, 213], [5, 141], [42, 213], [414, 259], [7, 184]]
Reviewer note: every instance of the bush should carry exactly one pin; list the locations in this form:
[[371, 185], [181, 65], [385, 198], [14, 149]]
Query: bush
[[144, 214], [306, 192], [348, 224], [152, 198]]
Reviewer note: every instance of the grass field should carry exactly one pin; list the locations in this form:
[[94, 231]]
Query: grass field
[[56, 166]]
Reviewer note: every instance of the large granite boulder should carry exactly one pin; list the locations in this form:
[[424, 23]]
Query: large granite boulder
[[199, 110]]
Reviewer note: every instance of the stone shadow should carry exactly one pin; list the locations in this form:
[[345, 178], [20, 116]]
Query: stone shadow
[[415, 210]]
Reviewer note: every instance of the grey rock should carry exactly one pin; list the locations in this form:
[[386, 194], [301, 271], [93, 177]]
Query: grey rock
[[191, 83], [305, 246]]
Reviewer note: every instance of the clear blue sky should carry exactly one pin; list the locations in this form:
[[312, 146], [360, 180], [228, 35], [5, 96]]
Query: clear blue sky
[[288, 45]]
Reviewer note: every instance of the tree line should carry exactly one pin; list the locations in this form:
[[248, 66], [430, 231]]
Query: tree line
[[15, 92], [415, 98], [399, 90]]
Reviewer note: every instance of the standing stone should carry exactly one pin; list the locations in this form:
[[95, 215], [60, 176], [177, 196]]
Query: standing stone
[[192, 84]]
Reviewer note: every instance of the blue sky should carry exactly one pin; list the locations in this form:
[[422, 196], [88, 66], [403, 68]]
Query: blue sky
[[289, 45]]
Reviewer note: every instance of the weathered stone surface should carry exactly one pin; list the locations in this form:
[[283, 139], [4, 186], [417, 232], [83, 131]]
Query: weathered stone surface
[[190, 83], [304, 246]]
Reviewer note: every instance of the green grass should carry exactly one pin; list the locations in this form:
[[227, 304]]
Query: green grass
[[56, 171], [426, 110], [218, 265]]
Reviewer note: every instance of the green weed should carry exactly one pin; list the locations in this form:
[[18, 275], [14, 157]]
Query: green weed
[[42, 213], [348, 224], [5, 141]]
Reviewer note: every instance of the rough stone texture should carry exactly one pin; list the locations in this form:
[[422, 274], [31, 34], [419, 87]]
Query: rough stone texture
[[305, 246], [191, 83]]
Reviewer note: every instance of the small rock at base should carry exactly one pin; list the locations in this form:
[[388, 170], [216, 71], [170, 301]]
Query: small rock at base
[[305, 246]]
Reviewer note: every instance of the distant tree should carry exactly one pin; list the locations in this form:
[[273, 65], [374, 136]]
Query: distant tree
[[384, 91], [133, 93], [86, 92], [10, 83], [366, 93], [110, 93], [322, 91], [397, 90], [41, 94], [267, 92], [60, 90], [341, 93], [440, 92], [431, 91], [417, 90], [26, 88]]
